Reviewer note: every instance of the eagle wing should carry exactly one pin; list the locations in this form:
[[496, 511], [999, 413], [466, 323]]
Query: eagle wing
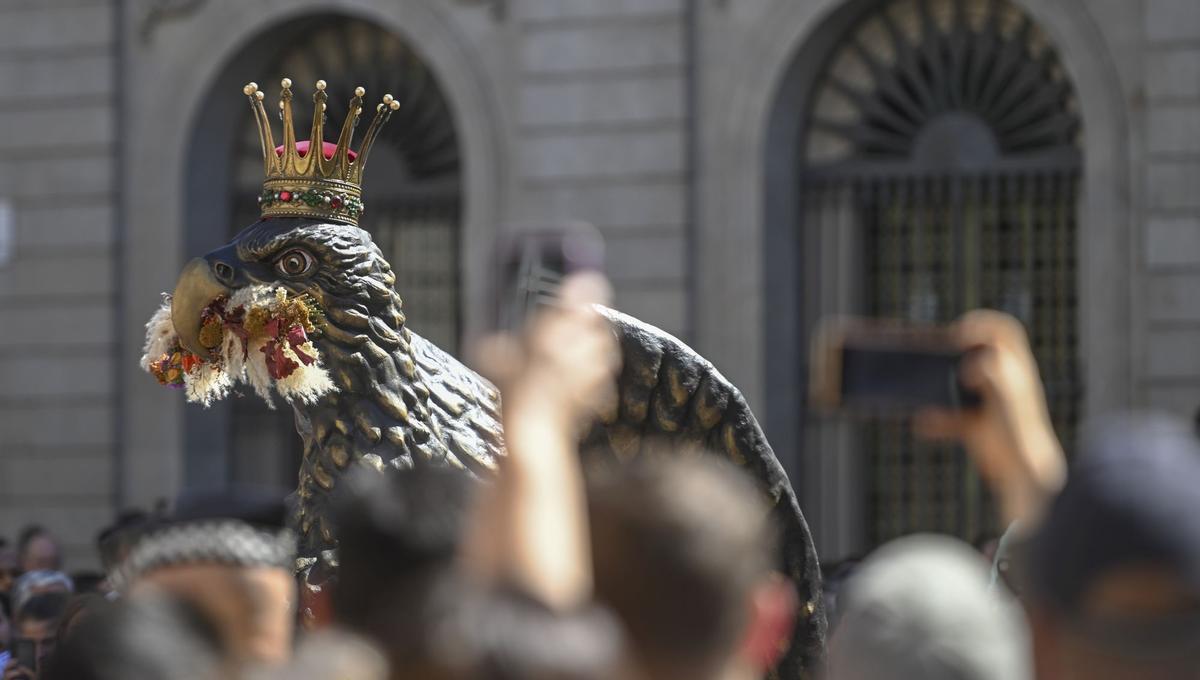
[[464, 409], [668, 392], [430, 409]]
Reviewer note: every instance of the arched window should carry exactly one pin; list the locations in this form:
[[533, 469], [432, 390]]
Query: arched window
[[940, 173], [412, 192]]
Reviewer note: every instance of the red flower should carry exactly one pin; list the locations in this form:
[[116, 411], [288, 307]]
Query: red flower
[[279, 366], [191, 361], [296, 337]]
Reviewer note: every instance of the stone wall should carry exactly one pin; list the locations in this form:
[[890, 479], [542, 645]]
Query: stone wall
[[601, 135], [1170, 250], [57, 339]]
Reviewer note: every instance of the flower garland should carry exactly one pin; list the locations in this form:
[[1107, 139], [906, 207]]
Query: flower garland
[[260, 336]]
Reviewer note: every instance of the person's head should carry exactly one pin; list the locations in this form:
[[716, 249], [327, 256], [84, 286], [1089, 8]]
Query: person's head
[[921, 607], [5, 627], [8, 567], [113, 542], [398, 537], [37, 622], [152, 637], [37, 550], [1112, 579], [230, 555], [682, 548], [90, 582]]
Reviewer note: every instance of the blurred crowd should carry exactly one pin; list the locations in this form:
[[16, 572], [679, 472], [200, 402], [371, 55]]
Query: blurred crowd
[[663, 567]]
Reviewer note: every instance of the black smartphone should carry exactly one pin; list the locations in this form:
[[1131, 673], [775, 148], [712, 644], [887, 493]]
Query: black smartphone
[[532, 260], [881, 367], [25, 653]]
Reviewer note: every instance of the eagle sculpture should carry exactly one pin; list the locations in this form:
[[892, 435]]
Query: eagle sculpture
[[301, 305]]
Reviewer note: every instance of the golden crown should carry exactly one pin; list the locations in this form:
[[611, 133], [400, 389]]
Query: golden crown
[[325, 185]]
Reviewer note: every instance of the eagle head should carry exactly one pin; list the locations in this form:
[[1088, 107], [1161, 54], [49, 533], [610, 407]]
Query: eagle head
[[336, 265], [292, 305]]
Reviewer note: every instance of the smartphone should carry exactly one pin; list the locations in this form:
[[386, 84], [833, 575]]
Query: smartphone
[[25, 653], [877, 367], [532, 260]]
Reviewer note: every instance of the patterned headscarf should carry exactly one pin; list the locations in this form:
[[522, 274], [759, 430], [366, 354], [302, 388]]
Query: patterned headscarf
[[231, 528]]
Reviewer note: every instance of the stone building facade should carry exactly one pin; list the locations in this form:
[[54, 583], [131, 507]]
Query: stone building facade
[[678, 127], [58, 284]]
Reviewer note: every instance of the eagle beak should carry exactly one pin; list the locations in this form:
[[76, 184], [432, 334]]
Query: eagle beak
[[196, 289]]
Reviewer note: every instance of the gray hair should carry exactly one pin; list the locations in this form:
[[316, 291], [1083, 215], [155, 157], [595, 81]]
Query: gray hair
[[920, 607]]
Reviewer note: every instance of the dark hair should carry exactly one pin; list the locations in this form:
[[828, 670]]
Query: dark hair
[[678, 545], [114, 541], [77, 610], [142, 638], [87, 581], [398, 535], [42, 607]]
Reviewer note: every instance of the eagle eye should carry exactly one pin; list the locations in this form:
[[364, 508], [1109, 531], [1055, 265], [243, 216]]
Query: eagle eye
[[294, 262]]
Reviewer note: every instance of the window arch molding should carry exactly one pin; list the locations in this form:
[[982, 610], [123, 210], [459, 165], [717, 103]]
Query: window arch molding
[[169, 80], [755, 112]]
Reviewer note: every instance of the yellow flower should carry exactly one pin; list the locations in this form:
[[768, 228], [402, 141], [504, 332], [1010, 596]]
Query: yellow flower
[[256, 318], [211, 332]]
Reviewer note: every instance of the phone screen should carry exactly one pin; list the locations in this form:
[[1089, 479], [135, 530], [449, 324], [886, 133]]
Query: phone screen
[[25, 652], [898, 378]]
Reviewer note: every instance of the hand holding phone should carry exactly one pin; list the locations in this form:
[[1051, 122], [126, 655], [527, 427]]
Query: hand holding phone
[[530, 263], [25, 652], [876, 367], [974, 382], [23, 663]]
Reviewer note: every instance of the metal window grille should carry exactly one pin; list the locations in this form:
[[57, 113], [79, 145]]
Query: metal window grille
[[943, 135]]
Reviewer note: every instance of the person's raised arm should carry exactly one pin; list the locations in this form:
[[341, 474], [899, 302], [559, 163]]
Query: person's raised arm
[[1009, 437], [530, 529]]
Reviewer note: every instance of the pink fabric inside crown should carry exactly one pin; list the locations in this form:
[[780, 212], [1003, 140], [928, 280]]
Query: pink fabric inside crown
[[327, 147]]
